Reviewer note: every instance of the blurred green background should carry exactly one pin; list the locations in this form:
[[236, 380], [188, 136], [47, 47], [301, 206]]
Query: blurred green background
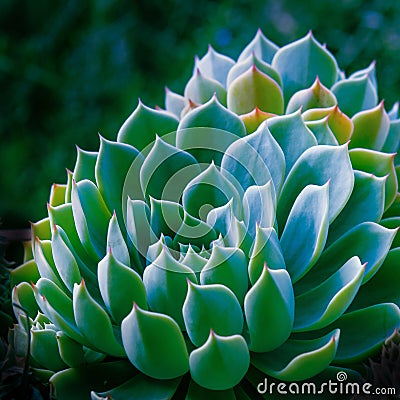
[[71, 69]]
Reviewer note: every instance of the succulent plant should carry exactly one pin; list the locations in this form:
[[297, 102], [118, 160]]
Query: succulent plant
[[249, 228]]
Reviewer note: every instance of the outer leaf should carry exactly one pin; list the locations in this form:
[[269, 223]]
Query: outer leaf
[[269, 310], [300, 62], [154, 344], [227, 357], [297, 360], [325, 303], [262, 47], [84, 166], [57, 194], [318, 165], [306, 230], [211, 307]]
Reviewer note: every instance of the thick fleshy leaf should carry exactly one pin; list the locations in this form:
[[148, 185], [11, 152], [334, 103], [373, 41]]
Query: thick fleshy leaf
[[306, 230], [269, 310], [94, 323], [77, 383], [24, 296], [355, 94], [376, 323], [369, 241], [174, 102], [238, 236], [368, 189], [221, 362], [384, 285], [44, 349], [142, 126], [41, 229], [262, 47], [215, 65], [254, 160], [71, 352], [112, 166], [326, 302], [318, 165], [207, 131], [220, 218], [253, 119], [166, 286], [316, 96], [340, 124], [211, 307], [154, 344], [201, 88], [166, 217], [259, 207], [26, 272], [379, 164], [255, 89], [194, 261], [371, 128], [120, 286], [300, 62], [116, 242], [91, 217], [141, 387], [297, 360], [166, 171], [84, 166], [322, 131], [393, 223], [208, 190], [292, 135], [266, 250], [227, 266], [57, 194], [392, 142], [243, 65]]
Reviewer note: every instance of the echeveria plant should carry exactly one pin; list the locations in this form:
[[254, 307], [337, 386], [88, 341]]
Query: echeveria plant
[[248, 230]]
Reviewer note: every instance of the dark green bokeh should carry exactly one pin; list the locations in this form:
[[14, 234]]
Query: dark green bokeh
[[71, 69]]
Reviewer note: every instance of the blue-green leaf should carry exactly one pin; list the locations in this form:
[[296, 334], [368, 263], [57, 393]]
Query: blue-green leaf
[[262, 47]]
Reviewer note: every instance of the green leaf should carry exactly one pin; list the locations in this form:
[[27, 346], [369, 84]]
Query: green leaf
[[44, 349], [154, 344], [174, 102], [383, 287], [393, 138], [166, 217], [208, 190], [355, 94], [116, 242], [220, 363], [269, 310], [142, 126], [57, 194], [297, 360], [26, 272], [371, 128], [77, 383], [266, 250], [165, 280], [326, 302], [112, 166], [201, 88], [194, 261], [379, 164], [220, 218], [368, 190], [211, 307], [254, 89], [318, 165], [306, 230], [166, 171], [207, 131], [300, 62], [238, 236], [259, 207], [369, 241], [94, 322], [142, 387], [71, 352], [254, 160], [393, 223], [84, 166], [316, 96], [292, 135], [227, 266], [24, 296], [120, 286], [322, 131], [91, 217], [354, 347], [262, 47]]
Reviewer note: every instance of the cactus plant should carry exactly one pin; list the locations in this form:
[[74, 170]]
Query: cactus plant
[[250, 227]]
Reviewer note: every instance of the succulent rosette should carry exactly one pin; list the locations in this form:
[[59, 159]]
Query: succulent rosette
[[248, 230]]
